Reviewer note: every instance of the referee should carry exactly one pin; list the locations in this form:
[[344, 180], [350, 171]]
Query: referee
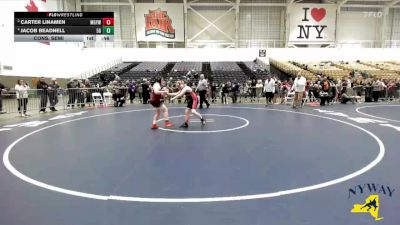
[[202, 89]]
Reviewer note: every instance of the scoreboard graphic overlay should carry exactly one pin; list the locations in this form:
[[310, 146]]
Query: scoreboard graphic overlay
[[63, 26]]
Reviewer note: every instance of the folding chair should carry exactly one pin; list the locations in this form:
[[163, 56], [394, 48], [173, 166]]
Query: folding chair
[[107, 98], [289, 98], [97, 99]]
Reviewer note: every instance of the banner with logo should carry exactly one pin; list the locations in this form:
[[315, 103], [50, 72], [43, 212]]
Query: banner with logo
[[159, 22], [312, 23]]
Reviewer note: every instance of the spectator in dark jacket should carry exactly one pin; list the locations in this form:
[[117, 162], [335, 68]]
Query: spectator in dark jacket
[[235, 91], [253, 90], [42, 87], [146, 91], [213, 92], [53, 94], [2, 89], [226, 88], [88, 91], [132, 90], [326, 92], [72, 86]]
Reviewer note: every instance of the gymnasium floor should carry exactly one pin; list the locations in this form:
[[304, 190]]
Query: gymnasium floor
[[249, 165]]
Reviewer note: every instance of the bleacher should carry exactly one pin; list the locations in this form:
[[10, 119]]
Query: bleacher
[[181, 69], [370, 68], [338, 70], [227, 71], [256, 71], [386, 71], [325, 68], [145, 70], [116, 70], [291, 69], [243, 71]]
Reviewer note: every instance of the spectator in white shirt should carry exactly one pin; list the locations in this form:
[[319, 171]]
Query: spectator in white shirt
[[269, 89], [21, 89], [299, 86], [259, 89]]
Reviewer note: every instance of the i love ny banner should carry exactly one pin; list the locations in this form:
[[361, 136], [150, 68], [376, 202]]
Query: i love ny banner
[[312, 23]]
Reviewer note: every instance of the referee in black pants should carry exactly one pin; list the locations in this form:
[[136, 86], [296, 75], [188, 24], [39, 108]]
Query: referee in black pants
[[202, 89]]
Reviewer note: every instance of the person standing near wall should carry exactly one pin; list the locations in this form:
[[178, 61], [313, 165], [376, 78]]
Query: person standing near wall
[[224, 93], [53, 94], [235, 91], [213, 90], [21, 89], [202, 87], [89, 88], [72, 86], [299, 86], [378, 87], [132, 90], [253, 90], [42, 87], [259, 89], [146, 91], [2, 89], [269, 89]]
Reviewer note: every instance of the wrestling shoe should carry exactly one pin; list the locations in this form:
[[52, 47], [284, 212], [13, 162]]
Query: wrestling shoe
[[154, 126], [184, 125], [168, 124]]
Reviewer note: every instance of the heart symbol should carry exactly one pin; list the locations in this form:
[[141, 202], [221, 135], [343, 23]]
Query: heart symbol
[[318, 14]]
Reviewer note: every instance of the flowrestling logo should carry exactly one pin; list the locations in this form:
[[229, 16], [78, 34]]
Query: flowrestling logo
[[370, 199], [159, 23]]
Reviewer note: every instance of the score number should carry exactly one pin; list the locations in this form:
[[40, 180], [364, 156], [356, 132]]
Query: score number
[[108, 30], [108, 26], [108, 21]]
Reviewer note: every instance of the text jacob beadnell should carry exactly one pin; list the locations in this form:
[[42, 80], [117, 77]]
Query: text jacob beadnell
[[42, 31]]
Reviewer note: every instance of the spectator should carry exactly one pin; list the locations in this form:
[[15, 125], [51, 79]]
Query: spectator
[[344, 98], [116, 89], [253, 90], [2, 89], [89, 90], [246, 90], [81, 91], [132, 91], [284, 90], [259, 89], [334, 89], [326, 92], [277, 89], [377, 87], [235, 90], [213, 92], [225, 93], [202, 87], [269, 89], [146, 91], [21, 89], [392, 87], [140, 92], [53, 94], [72, 86], [299, 86], [170, 82], [42, 87]]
